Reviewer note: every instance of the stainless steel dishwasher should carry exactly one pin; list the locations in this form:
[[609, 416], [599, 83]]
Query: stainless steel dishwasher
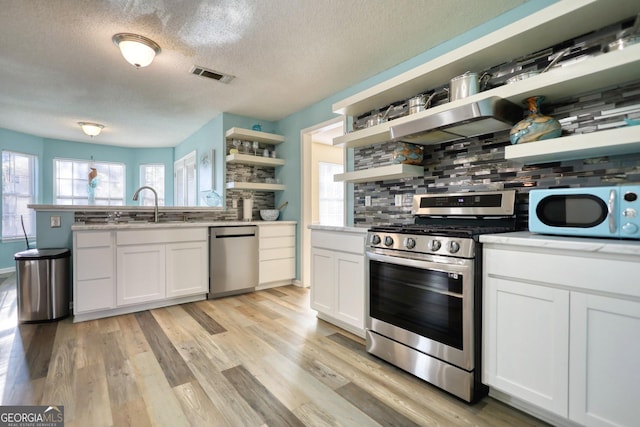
[[233, 260]]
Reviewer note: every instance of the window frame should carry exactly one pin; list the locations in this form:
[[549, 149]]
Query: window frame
[[83, 199], [33, 197], [147, 196]]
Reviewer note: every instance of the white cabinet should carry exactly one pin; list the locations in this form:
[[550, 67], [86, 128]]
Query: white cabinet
[[607, 332], [141, 274], [277, 254], [94, 281], [528, 327], [186, 268], [339, 277], [123, 271], [561, 332]]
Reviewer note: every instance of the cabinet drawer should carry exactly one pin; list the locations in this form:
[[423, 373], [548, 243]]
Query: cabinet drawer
[[277, 253], [93, 295], [277, 270], [92, 239], [277, 230], [338, 241], [573, 269], [277, 242], [161, 235], [94, 263]]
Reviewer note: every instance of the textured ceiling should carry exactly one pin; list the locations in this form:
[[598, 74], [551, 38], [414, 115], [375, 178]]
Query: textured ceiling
[[59, 66]]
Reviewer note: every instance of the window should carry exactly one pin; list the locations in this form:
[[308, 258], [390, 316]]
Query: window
[[184, 181], [331, 194], [71, 181], [18, 191], [153, 176]]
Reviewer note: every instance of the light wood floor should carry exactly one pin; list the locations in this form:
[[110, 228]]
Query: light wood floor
[[260, 359]]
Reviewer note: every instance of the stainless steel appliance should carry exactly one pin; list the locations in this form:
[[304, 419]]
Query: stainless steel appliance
[[425, 289], [233, 260], [609, 211]]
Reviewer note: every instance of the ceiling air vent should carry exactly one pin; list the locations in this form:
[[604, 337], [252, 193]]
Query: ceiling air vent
[[210, 74]]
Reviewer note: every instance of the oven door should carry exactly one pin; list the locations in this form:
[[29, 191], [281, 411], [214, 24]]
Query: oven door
[[425, 304]]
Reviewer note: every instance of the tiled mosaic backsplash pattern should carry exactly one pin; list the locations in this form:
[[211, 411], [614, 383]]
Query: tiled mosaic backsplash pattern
[[478, 163], [114, 216], [244, 173]]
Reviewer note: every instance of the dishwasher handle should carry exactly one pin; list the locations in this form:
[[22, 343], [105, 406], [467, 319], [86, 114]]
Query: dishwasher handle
[[232, 232]]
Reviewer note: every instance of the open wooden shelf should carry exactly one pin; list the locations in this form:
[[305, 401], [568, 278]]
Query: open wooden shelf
[[380, 174], [253, 135], [248, 159], [624, 140], [254, 186]]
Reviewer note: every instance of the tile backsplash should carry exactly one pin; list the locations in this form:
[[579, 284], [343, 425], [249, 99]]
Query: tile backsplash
[[478, 164]]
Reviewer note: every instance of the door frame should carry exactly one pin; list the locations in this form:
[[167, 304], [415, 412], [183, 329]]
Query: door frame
[[306, 138]]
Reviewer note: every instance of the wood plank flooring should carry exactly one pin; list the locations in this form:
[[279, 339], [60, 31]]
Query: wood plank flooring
[[260, 359]]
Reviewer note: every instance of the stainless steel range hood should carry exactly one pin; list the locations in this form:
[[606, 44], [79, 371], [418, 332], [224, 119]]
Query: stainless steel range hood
[[478, 118]]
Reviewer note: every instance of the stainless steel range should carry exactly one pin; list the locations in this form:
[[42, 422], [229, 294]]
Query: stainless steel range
[[425, 289]]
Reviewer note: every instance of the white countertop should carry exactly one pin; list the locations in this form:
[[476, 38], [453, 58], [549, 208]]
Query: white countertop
[[580, 244], [338, 228], [172, 224]]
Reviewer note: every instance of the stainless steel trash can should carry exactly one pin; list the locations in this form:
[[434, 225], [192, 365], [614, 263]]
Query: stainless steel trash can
[[44, 285]]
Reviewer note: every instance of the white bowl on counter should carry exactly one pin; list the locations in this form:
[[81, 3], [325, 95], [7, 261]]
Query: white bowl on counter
[[269, 214]]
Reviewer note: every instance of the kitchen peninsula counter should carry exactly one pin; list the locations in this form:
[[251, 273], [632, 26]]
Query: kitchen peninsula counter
[[171, 224]]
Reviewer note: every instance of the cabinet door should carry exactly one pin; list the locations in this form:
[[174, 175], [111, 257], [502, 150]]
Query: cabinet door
[[526, 339], [322, 281], [350, 291], [141, 273], [605, 355], [187, 269]]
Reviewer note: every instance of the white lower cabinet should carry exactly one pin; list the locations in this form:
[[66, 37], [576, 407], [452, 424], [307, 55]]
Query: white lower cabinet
[[123, 271], [141, 274], [277, 254], [604, 358], [561, 333], [94, 281], [527, 342], [187, 270], [338, 278]]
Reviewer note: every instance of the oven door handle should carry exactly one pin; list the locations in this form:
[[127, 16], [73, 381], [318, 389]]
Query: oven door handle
[[422, 264]]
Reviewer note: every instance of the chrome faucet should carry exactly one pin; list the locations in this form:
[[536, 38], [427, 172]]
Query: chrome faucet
[[155, 195]]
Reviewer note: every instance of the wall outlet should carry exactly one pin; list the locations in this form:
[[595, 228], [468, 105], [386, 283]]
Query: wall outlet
[[55, 221], [367, 200], [234, 203], [398, 200]]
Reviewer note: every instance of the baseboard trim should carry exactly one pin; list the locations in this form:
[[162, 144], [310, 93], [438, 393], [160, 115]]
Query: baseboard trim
[[7, 270]]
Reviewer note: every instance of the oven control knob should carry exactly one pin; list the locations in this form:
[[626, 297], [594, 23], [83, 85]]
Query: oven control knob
[[375, 239], [434, 245], [630, 213], [388, 241], [453, 246], [410, 243]]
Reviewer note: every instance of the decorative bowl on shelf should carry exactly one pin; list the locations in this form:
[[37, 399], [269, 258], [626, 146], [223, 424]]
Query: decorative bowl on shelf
[[269, 214]]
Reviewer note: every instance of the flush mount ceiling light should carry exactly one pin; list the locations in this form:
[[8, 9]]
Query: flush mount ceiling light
[[139, 51], [91, 129]]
